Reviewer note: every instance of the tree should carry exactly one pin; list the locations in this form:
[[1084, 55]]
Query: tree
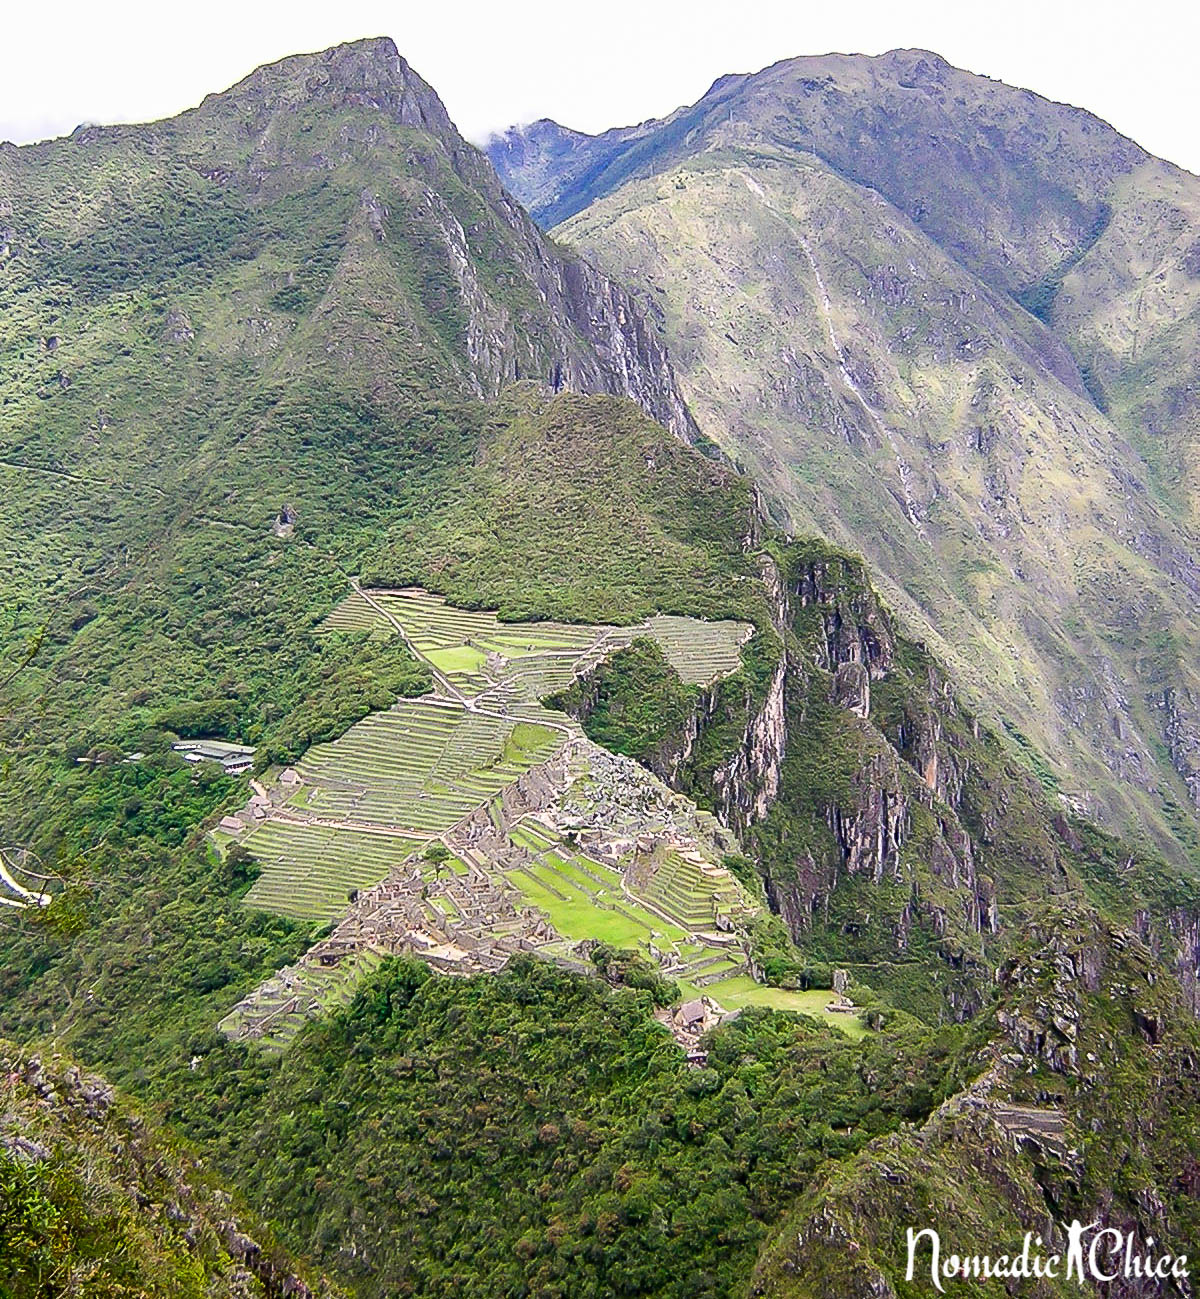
[[437, 855]]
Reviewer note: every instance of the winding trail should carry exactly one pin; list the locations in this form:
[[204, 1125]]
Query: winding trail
[[438, 675], [34, 899]]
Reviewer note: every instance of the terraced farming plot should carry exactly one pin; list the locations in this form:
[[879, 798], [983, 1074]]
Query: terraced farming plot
[[422, 765], [585, 898], [295, 994], [356, 613], [542, 657], [699, 651], [695, 892], [308, 871]]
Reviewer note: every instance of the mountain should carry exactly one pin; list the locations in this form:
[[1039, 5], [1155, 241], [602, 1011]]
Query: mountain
[[96, 1200], [264, 303], [437, 789], [904, 297]]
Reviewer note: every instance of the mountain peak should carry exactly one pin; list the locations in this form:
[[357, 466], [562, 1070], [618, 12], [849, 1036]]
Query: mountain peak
[[368, 73]]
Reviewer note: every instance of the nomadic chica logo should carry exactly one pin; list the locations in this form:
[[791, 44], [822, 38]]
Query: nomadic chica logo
[[1092, 1254]]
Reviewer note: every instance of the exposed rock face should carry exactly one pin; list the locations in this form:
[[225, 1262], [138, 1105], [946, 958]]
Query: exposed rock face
[[178, 328], [852, 689], [856, 630], [51, 1108], [368, 74], [1181, 734], [1033, 1142], [542, 314], [749, 782], [908, 346]]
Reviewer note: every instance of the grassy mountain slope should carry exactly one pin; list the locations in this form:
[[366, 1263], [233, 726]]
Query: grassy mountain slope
[[94, 1201], [841, 332], [234, 378], [273, 345], [1041, 201], [277, 314]]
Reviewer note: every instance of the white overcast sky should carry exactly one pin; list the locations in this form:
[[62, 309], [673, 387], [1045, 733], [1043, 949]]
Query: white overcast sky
[[597, 65]]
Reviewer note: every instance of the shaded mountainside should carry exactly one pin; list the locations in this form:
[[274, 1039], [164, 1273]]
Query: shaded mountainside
[[94, 1201], [847, 252], [1041, 1136], [895, 833]]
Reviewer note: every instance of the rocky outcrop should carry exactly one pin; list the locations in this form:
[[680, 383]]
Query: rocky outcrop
[[855, 629], [1181, 735], [54, 1111], [368, 74], [748, 783], [1037, 1139], [525, 308]]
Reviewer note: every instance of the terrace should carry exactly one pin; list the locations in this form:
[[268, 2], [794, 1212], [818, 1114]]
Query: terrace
[[550, 841]]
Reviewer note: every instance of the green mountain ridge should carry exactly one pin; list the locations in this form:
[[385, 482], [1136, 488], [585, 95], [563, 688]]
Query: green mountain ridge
[[298, 346], [844, 250]]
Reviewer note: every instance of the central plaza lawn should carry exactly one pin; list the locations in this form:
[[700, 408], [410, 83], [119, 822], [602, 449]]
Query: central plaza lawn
[[577, 916]]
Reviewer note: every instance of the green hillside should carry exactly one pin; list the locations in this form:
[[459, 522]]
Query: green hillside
[[928, 354], [473, 821]]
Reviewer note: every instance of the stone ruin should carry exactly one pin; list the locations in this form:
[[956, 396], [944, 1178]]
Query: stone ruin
[[476, 921]]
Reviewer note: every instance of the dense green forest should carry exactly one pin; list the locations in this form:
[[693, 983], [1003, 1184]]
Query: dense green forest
[[539, 1133]]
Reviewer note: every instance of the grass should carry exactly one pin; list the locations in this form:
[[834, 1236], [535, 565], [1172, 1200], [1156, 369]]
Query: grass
[[741, 991], [576, 916], [309, 871], [421, 765], [457, 658]]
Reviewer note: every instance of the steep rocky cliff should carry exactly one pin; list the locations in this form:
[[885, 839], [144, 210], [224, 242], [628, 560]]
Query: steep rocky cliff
[[895, 833], [1034, 1141], [521, 307], [95, 1201], [969, 355]]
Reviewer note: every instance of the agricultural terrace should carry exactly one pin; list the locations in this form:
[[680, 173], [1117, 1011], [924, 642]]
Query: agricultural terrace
[[420, 766], [478, 652], [360, 808], [297, 993], [586, 898], [309, 871]]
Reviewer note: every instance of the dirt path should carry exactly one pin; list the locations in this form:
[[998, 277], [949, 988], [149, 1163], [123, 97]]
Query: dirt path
[[438, 675], [36, 899]]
